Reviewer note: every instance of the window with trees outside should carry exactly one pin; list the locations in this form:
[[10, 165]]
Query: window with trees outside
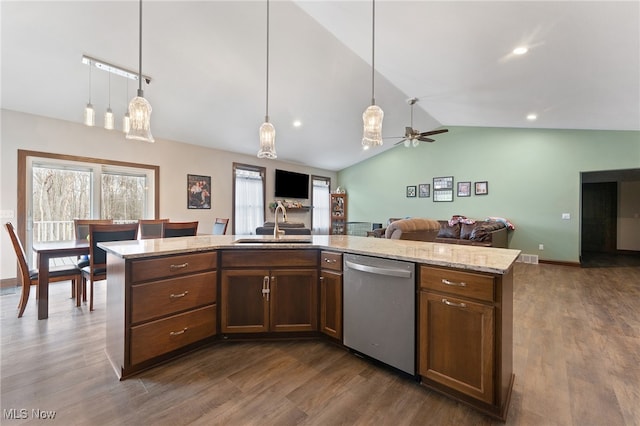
[[320, 201], [58, 190]]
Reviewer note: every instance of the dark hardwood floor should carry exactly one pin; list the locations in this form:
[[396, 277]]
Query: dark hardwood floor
[[576, 361]]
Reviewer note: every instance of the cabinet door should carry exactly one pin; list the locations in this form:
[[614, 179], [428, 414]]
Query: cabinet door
[[331, 303], [457, 344], [244, 308], [294, 300]]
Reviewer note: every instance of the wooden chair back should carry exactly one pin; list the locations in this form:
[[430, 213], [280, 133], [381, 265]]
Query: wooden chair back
[[81, 226], [220, 226], [29, 277], [180, 229], [152, 228]]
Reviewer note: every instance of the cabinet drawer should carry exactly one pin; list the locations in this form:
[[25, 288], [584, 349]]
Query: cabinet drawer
[[160, 298], [164, 267], [331, 260], [464, 284], [165, 335], [269, 258]]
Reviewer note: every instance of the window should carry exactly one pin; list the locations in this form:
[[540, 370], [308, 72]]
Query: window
[[58, 188], [320, 201], [248, 198]]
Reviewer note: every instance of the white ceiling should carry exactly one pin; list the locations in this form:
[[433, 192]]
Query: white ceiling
[[207, 62]]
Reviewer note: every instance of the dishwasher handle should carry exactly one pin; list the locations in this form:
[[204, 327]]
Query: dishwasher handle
[[392, 272]]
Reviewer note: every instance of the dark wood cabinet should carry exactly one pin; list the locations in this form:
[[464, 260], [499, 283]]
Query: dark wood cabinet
[[264, 291], [331, 294], [465, 336], [159, 307]]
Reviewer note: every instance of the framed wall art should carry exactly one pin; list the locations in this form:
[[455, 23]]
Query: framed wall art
[[443, 188], [482, 188], [411, 191], [198, 192], [464, 189], [424, 190]]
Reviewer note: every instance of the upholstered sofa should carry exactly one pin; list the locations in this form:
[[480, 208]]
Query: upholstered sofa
[[289, 228], [480, 233], [416, 229]]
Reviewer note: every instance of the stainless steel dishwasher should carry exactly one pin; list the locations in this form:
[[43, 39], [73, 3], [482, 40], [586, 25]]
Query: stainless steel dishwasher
[[379, 309]]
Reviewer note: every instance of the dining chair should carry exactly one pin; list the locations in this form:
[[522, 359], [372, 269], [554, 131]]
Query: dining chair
[[98, 233], [220, 226], [180, 229], [81, 229], [29, 277], [151, 228]]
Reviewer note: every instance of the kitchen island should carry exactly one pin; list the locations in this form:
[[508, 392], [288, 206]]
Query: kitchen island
[[166, 297]]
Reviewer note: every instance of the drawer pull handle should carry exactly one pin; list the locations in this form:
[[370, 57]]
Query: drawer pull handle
[[178, 267], [177, 296], [177, 333], [457, 305], [447, 282], [327, 260]]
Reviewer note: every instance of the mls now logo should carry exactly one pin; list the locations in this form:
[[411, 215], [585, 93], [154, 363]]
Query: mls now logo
[[23, 413]]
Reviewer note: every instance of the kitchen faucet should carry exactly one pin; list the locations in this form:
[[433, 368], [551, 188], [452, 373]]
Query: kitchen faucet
[[276, 231]]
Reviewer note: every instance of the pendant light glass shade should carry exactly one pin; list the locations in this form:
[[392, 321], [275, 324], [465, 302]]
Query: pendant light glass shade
[[140, 114], [139, 107], [267, 141], [108, 119], [89, 115], [267, 131], [89, 112], [126, 122], [372, 118], [373, 115]]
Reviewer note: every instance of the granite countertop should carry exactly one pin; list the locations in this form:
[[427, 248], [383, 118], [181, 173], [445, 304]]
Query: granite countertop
[[481, 259]]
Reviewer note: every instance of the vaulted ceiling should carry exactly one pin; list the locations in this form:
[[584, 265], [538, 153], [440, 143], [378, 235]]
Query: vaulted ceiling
[[207, 61]]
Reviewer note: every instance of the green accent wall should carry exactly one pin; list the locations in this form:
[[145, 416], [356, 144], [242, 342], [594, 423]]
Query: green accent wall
[[534, 175]]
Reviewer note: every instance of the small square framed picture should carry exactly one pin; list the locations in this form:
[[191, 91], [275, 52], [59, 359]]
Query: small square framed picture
[[424, 190], [411, 191], [482, 188], [464, 189]]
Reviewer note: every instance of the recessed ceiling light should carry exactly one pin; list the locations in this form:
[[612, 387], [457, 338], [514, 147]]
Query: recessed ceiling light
[[532, 117], [520, 50], [297, 123]]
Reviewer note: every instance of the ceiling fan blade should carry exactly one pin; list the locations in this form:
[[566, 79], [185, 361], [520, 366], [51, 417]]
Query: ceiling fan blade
[[423, 139], [434, 132], [400, 141]]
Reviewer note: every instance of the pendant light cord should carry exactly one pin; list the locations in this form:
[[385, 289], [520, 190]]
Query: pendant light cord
[[140, 56], [90, 65], [267, 85], [373, 54]]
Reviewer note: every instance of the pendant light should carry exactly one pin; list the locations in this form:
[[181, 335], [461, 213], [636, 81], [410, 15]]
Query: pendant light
[[267, 131], [89, 112], [108, 116], [373, 115], [139, 107], [126, 120]]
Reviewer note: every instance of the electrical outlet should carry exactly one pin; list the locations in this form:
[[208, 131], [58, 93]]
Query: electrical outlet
[[566, 216], [540, 246]]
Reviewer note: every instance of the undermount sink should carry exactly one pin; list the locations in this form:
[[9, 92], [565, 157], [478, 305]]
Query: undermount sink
[[271, 240]]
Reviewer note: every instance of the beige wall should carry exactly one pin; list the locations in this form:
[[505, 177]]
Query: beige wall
[[176, 160], [629, 216]]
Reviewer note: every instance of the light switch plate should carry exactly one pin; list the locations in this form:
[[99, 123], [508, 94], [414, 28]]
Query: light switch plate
[[566, 216], [6, 214]]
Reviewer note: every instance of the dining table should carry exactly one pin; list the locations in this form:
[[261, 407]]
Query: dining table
[[45, 252]]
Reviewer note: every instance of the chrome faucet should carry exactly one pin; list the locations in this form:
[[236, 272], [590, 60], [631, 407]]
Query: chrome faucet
[[276, 231]]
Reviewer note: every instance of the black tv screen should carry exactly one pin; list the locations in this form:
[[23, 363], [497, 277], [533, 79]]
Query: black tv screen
[[292, 184]]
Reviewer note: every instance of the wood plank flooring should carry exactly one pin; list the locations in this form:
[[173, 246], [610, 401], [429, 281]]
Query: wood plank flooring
[[576, 361]]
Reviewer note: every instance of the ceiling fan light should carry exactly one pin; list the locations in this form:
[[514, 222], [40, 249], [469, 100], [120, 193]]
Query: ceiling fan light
[[372, 120], [89, 115], [407, 143], [140, 113], [267, 141], [415, 143]]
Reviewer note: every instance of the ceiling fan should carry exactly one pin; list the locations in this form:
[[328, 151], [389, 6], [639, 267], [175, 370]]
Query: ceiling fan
[[413, 136]]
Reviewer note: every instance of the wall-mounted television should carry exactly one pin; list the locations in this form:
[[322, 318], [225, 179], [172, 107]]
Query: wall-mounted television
[[292, 184]]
